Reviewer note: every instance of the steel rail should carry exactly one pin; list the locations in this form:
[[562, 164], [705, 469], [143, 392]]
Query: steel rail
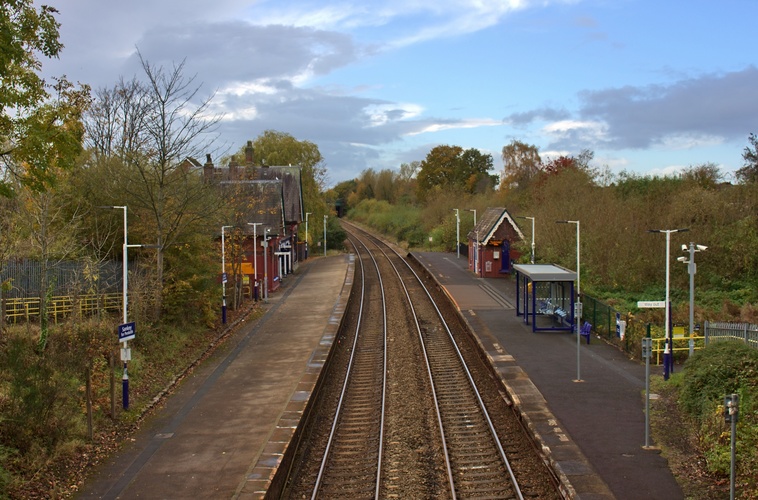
[[482, 406], [346, 382]]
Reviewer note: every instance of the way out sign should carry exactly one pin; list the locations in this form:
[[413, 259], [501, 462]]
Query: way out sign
[[126, 332], [654, 304]]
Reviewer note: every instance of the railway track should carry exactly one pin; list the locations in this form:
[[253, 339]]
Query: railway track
[[407, 419]]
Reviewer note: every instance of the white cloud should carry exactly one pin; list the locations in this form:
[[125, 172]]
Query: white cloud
[[459, 124], [585, 131]]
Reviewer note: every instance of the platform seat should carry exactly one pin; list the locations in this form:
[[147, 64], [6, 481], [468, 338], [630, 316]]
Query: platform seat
[[586, 330]]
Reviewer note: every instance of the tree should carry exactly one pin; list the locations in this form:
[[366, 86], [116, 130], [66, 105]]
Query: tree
[[452, 168], [37, 135], [142, 133], [749, 171], [706, 175], [521, 164], [280, 148]]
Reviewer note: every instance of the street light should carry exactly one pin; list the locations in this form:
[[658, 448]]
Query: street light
[[306, 232], [124, 302], [668, 360], [578, 305], [255, 253], [223, 276], [476, 243], [692, 269], [457, 231], [264, 244], [325, 217], [532, 219]]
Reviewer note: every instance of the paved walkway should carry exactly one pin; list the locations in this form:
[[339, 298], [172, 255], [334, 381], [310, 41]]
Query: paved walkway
[[223, 419], [602, 416]]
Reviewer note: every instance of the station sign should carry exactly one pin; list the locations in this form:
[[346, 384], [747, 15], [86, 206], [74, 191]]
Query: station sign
[[648, 304], [126, 332]]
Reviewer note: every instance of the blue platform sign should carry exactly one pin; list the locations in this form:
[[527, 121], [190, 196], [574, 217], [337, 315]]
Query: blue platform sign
[[126, 332]]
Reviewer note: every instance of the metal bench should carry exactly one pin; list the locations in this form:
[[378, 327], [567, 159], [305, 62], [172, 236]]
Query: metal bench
[[586, 330]]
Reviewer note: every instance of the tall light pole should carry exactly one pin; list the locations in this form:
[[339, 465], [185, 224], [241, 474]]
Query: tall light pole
[[578, 304], [457, 231], [325, 235], [668, 360], [692, 269], [223, 275], [532, 219], [306, 232], [255, 251], [264, 243], [124, 302], [476, 243]]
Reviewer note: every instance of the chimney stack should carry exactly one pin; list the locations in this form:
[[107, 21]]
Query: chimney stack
[[249, 154]]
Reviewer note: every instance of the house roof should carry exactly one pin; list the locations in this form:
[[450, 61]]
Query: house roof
[[291, 188], [489, 223], [257, 201]]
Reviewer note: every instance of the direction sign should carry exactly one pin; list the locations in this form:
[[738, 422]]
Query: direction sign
[[642, 304], [126, 332]]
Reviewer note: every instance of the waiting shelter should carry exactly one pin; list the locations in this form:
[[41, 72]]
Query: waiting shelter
[[545, 296]]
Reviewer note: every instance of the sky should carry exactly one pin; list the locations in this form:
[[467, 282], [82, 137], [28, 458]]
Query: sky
[[651, 87]]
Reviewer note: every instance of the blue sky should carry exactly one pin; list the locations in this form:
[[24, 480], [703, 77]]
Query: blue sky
[[651, 87]]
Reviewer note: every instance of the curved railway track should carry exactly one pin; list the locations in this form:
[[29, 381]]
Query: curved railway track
[[407, 419]]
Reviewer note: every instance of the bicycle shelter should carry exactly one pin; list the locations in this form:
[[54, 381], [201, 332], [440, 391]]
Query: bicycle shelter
[[545, 296]]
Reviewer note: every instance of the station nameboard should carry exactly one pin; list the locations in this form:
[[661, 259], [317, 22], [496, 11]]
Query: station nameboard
[[126, 332]]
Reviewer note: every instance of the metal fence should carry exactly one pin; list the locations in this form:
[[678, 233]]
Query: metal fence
[[745, 332], [65, 278], [601, 315], [26, 309]]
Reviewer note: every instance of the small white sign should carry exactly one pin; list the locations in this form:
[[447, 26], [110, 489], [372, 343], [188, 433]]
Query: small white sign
[[648, 304]]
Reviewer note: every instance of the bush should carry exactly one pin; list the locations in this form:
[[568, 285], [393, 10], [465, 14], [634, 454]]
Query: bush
[[719, 369], [724, 368]]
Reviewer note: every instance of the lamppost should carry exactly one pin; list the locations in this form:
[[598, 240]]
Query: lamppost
[[457, 231], [124, 301], [255, 252], [532, 219], [692, 269], [325, 235], [578, 304], [476, 243], [668, 360], [223, 276], [264, 243], [306, 232]]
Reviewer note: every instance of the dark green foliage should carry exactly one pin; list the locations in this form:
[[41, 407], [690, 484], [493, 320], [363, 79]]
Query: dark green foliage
[[726, 367], [335, 235], [721, 368], [41, 408]]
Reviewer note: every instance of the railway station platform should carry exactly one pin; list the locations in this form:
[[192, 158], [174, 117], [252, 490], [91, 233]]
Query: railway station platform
[[222, 432], [594, 429]]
